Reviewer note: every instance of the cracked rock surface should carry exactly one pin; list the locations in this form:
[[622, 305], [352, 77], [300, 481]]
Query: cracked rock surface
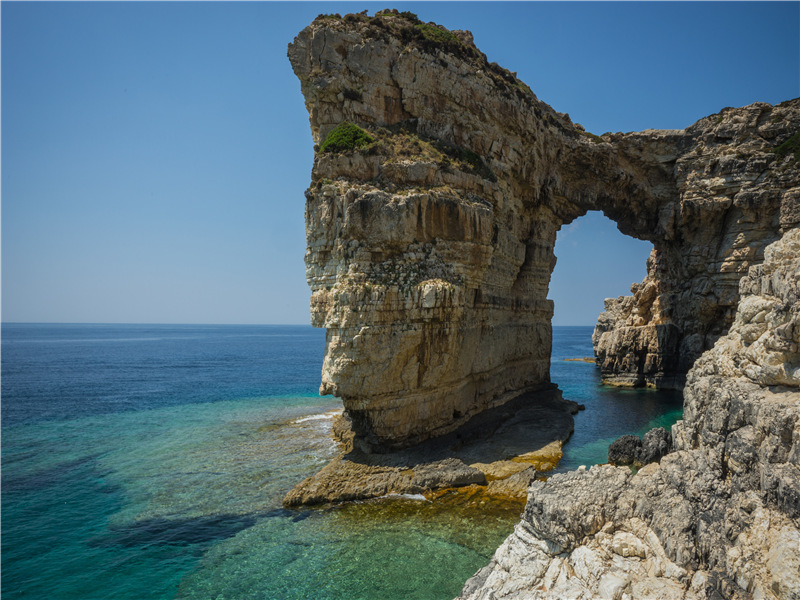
[[719, 516]]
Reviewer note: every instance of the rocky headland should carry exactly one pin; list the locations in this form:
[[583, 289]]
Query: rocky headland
[[430, 244], [438, 186], [719, 516]]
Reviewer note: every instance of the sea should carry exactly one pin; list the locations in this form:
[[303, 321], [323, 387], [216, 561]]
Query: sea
[[149, 462]]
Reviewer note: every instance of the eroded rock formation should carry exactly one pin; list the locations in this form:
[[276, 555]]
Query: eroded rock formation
[[719, 517], [429, 255], [734, 196], [497, 453], [430, 249]]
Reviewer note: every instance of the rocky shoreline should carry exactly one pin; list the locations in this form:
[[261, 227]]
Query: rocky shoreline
[[719, 516], [501, 450]]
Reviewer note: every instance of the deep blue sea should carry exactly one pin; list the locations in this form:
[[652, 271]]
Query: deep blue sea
[[149, 461]]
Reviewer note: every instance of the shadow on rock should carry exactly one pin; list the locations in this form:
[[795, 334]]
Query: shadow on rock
[[510, 442]]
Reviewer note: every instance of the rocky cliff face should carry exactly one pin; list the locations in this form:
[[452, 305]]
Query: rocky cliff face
[[430, 249], [734, 195], [717, 518]]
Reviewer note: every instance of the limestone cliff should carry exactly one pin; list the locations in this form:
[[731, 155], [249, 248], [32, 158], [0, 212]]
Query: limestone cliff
[[717, 518], [430, 248], [734, 195]]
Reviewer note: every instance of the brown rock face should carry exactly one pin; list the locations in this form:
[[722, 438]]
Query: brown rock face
[[475, 454], [431, 248]]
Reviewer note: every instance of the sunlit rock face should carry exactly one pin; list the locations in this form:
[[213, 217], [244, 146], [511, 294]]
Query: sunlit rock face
[[719, 516], [733, 196], [431, 248]]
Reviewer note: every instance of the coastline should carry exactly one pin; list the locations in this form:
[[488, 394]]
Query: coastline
[[500, 450]]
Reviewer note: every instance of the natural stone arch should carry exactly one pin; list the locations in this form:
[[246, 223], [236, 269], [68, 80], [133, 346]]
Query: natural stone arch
[[430, 251]]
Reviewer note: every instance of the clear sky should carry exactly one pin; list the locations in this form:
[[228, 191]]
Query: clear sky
[[154, 155]]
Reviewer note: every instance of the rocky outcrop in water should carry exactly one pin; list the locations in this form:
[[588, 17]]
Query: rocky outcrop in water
[[430, 247], [640, 451], [497, 453], [719, 517]]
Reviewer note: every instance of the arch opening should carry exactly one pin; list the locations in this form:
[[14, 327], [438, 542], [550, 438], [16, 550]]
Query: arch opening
[[594, 261], [612, 281], [597, 263]]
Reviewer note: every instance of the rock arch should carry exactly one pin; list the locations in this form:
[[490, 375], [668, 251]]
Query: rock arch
[[429, 251]]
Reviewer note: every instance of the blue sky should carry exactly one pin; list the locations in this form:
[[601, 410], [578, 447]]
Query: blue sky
[[155, 155]]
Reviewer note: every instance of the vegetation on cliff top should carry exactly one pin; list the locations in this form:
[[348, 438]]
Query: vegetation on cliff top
[[432, 37], [345, 137], [402, 141], [428, 37], [438, 36], [405, 14], [473, 162], [594, 137], [435, 39]]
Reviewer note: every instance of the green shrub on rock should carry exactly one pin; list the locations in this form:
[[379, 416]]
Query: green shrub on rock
[[393, 12], [789, 147], [345, 137], [438, 35], [409, 16]]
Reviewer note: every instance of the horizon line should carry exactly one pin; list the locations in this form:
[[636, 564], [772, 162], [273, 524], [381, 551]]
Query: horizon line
[[2, 323]]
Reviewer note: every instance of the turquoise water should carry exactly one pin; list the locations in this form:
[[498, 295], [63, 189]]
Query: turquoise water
[[610, 411], [150, 462]]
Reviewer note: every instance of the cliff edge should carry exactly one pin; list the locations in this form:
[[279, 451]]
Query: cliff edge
[[438, 187]]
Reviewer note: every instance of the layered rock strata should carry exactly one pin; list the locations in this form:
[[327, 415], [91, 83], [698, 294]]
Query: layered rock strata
[[719, 517], [431, 248], [733, 196]]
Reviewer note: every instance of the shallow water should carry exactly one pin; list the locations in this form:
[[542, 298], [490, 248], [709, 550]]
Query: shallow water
[[150, 462], [610, 411]]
